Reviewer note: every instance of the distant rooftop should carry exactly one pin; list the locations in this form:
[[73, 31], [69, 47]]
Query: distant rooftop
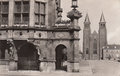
[[114, 46]]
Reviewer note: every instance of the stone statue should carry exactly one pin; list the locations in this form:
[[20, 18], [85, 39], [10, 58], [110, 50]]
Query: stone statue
[[38, 50], [11, 49]]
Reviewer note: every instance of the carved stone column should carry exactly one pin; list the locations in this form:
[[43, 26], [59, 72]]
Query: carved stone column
[[74, 15]]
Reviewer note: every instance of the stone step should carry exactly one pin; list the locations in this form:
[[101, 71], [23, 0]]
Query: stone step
[[4, 68], [59, 71]]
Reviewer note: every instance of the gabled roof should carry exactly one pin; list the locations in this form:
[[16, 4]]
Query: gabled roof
[[94, 35]]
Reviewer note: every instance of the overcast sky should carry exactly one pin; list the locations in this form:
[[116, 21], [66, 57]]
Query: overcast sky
[[111, 10]]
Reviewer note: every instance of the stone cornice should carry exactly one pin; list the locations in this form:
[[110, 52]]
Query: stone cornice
[[54, 28], [45, 39]]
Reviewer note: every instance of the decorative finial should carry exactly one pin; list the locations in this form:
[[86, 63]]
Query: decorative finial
[[59, 11]]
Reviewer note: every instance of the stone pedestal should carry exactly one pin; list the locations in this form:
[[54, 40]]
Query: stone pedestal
[[12, 65], [73, 67], [70, 67], [51, 66], [43, 66], [47, 66]]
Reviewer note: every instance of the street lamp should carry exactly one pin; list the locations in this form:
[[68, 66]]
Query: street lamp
[[74, 3]]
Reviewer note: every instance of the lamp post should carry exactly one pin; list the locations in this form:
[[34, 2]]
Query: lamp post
[[74, 14], [74, 4]]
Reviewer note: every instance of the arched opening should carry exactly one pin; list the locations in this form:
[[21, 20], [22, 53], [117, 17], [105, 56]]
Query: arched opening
[[95, 46], [61, 57], [28, 58], [3, 48]]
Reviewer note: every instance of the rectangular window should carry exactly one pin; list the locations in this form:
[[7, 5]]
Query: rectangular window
[[21, 12], [25, 18], [0, 19], [26, 7], [17, 19], [39, 13], [37, 7], [37, 19], [4, 19], [42, 8], [95, 51], [4, 8], [42, 20], [18, 7], [0, 13], [0, 7]]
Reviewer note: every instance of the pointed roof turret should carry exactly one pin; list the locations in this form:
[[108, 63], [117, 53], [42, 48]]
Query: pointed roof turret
[[102, 19], [87, 20]]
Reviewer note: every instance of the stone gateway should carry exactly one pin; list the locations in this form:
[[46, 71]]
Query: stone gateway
[[33, 36]]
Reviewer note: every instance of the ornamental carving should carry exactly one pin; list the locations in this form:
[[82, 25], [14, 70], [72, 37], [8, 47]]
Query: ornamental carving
[[74, 14]]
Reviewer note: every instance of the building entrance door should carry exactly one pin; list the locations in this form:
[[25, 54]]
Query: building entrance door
[[28, 57], [61, 57]]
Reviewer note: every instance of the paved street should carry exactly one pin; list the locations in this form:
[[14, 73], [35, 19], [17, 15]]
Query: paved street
[[98, 68], [35, 73]]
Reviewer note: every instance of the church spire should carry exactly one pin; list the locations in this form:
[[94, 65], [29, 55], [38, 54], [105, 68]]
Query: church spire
[[87, 20], [102, 19]]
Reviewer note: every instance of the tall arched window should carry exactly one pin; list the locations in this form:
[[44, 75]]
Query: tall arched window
[[95, 46], [87, 51]]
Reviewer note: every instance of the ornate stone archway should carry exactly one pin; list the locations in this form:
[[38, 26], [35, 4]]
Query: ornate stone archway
[[28, 58]]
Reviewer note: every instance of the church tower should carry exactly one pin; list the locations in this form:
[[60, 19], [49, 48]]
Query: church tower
[[102, 35], [86, 37]]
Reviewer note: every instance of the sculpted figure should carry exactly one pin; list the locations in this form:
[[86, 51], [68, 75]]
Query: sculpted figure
[[11, 49]]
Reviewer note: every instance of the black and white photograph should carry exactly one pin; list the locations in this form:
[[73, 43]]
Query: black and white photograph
[[59, 37]]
